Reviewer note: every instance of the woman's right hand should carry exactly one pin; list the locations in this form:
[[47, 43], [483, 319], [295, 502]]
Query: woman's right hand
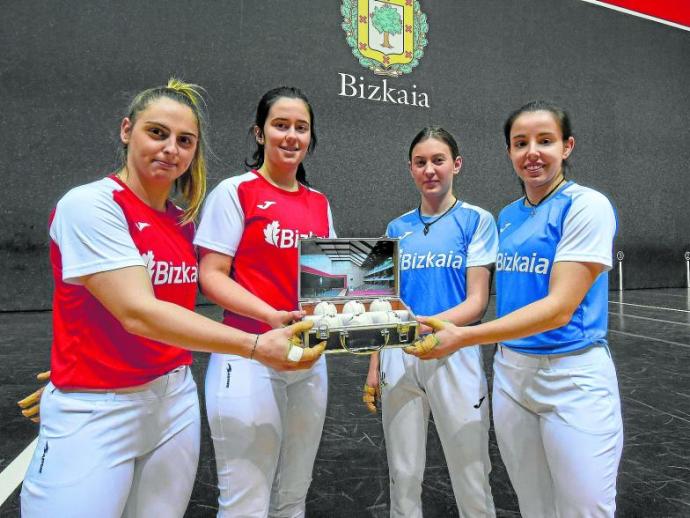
[[281, 318], [282, 350], [371, 393]]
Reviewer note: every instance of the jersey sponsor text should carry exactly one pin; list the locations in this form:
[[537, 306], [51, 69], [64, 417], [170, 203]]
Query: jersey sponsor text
[[283, 237], [165, 272], [522, 263], [429, 260]]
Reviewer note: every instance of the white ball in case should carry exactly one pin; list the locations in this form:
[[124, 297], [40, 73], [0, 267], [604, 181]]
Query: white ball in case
[[383, 317], [353, 306], [325, 308], [402, 314], [380, 305]]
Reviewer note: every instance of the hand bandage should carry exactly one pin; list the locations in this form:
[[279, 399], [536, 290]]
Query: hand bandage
[[423, 346], [31, 404], [369, 397], [427, 343], [297, 353]]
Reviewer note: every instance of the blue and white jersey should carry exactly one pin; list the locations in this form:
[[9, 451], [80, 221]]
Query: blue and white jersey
[[576, 224], [433, 266]]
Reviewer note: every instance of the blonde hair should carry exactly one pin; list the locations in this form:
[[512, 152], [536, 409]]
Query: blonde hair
[[192, 184]]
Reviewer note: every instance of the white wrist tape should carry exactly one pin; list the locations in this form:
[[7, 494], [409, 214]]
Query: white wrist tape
[[295, 353]]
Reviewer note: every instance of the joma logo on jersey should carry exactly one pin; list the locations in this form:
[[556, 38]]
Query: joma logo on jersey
[[165, 272], [429, 260], [522, 263], [283, 237]]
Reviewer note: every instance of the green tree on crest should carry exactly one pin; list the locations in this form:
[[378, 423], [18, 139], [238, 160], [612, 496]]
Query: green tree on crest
[[387, 21]]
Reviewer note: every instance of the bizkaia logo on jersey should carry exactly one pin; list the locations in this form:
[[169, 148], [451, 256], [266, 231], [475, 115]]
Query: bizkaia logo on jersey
[[283, 237], [388, 38], [165, 272], [522, 263], [429, 260]]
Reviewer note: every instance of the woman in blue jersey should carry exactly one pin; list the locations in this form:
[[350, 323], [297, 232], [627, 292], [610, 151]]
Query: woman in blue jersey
[[555, 396], [458, 244]]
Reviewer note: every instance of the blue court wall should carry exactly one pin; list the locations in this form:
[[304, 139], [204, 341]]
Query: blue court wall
[[68, 70]]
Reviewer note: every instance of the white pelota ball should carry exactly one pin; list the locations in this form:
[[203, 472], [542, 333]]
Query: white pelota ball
[[346, 319], [332, 321], [380, 317], [380, 305], [402, 314], [353, 306], [363, 319], [325, 308], [393, 317]]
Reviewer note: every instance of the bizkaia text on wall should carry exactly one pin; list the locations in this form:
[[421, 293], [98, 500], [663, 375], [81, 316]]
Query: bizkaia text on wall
[[351, 86]]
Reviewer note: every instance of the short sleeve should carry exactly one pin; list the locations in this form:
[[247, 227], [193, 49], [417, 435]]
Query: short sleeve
[[222, 220], [331, 229], [390, 230], [91, 232], [483, 246], [588, 230]]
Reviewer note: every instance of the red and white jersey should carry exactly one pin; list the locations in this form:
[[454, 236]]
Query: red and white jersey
[[259, 225], [104, 226]]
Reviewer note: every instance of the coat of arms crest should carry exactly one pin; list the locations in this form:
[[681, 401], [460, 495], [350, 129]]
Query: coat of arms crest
[[386, 36]]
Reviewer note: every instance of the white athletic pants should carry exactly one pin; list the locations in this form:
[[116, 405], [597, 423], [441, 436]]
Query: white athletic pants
[[266, 427], [454, 389], [111, 455], [559, 430]]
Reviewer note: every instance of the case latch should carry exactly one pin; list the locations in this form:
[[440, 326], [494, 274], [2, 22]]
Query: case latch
[[322, 331], [403, 333]]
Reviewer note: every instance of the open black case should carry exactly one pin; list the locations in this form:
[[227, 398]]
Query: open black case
[[350, 289]]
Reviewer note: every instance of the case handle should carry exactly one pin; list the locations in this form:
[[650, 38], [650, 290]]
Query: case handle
[[344, 335]]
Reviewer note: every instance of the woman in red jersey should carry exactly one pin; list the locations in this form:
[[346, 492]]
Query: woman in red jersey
[[266, 425], [120, 417]]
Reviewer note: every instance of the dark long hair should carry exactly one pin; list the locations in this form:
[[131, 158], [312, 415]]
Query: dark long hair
[[264, 106]]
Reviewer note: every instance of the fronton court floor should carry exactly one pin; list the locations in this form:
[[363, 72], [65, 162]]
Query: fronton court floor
[[650, 344]]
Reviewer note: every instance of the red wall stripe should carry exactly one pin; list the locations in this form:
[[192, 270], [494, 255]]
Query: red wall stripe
[[677, 11]]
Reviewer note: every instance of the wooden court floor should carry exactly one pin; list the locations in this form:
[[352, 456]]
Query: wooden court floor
[[650, 344]]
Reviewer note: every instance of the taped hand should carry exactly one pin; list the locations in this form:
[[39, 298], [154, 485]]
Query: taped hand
[[31, 404], [425, 345], [370, 396]]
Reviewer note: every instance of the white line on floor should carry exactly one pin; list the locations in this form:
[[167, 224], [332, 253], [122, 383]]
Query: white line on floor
[[649, 338], [626, 315], [650, 307], [13, 474], [628, 398]]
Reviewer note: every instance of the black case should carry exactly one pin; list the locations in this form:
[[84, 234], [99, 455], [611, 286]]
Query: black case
[[341, 270]]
